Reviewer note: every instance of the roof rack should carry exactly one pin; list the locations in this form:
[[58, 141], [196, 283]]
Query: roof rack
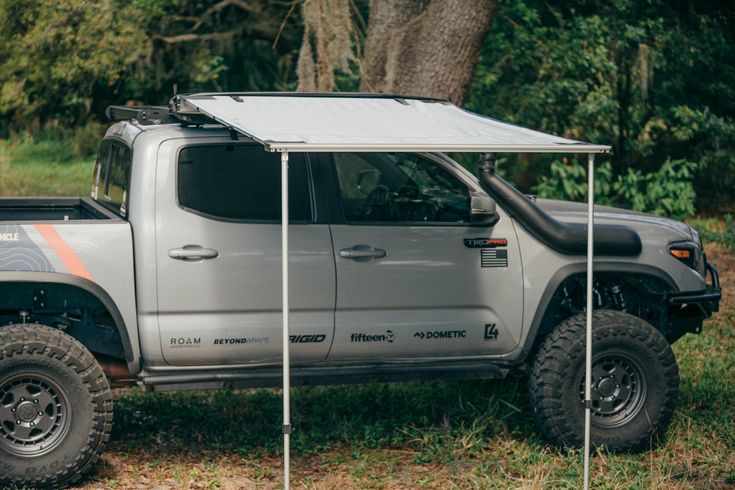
[[180, 112], [149, 115], [142, 113]]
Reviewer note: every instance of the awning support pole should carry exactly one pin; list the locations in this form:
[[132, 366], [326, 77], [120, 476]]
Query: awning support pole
[[285, 308], [588, 341]]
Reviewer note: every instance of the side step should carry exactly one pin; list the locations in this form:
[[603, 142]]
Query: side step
[[322, 375]]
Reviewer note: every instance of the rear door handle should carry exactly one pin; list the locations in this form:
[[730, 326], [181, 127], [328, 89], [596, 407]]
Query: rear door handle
[[192, 253], [362, 253]]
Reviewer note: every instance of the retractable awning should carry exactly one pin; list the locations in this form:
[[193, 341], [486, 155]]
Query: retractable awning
[[301, 122], [349, 122]]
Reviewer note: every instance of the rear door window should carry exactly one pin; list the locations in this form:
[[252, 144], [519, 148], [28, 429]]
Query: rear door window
[[241, 183]]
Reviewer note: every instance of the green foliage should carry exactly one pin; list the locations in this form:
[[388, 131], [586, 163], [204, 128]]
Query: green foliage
[[64, 62], [717, 231], [666, 192], [53, 56], [654, 79]]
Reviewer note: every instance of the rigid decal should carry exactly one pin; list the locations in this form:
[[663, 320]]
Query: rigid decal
[[441, 334], [388, 336], [307, 339]]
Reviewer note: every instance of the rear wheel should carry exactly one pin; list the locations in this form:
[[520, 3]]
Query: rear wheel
[[635, 382], [55, 407]]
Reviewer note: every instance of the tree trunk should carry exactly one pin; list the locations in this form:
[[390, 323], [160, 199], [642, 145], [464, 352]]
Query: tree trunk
[[424, 47]]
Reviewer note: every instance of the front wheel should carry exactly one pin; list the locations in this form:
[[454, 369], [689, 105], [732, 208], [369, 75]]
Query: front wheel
[[635, 382], [55, 407]]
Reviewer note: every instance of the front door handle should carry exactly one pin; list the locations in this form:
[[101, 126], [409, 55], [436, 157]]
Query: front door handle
[[192, 253], [362, 253]]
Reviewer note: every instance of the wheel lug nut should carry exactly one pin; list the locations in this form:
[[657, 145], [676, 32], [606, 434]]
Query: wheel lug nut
[[22, 399], [40, 414], [32, 424], [12, 410], [35, 401]]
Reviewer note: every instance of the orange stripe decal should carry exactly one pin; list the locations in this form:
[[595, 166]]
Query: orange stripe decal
[[65, 253]]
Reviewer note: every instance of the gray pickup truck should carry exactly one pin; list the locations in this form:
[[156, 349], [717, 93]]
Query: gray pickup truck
[[403, 266]]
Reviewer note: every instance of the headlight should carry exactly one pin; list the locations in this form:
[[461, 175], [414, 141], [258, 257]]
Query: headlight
[[689, 253]]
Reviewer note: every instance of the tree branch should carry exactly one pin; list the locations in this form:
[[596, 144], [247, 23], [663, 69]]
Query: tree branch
[[212, 36], [241, 4]]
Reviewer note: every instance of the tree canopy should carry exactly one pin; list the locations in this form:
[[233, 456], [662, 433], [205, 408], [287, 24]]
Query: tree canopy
[[654, 78]]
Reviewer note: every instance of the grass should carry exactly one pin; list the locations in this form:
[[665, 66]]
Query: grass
[[48, 167], [472, 434]]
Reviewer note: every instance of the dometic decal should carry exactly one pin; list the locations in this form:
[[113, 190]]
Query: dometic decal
[[307, 339], [491, 331], [185, 342], [388, 336], [485, 242], [441, 334], [242, 340]]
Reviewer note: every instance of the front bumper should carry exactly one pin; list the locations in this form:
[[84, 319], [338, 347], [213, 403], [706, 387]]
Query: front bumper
[[708, 299]]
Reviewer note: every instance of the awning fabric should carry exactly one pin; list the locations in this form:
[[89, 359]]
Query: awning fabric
[[362, 122]]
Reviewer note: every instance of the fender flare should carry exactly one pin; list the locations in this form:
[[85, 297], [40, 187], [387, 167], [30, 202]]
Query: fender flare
[[85, 284], [576, 268]]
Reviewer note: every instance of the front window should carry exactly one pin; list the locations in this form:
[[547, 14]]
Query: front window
[[399, 188]]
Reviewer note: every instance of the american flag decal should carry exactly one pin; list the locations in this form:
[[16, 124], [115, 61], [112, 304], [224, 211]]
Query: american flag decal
[[493, 257]]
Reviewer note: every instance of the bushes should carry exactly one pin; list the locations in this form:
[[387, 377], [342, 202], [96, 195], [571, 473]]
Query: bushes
[[718, 231], [667, 192]]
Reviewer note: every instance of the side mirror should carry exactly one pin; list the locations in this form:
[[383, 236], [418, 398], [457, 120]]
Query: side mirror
[[482, 209]]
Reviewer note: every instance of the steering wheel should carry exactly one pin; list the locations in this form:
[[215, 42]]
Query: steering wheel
[[378, 199]]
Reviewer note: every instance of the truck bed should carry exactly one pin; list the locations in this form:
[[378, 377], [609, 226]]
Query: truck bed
[[53, 209]]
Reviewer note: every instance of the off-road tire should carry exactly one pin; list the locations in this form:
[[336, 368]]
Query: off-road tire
[[71, 374], [558, 368]]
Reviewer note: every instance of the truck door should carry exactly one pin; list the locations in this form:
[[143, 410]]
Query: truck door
[[218, 252], [415, 279]]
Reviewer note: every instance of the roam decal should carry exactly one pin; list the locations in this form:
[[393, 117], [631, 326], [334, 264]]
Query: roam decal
[[185, 342]]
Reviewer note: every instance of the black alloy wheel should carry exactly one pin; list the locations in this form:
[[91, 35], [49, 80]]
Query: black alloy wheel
[[635, 382]]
